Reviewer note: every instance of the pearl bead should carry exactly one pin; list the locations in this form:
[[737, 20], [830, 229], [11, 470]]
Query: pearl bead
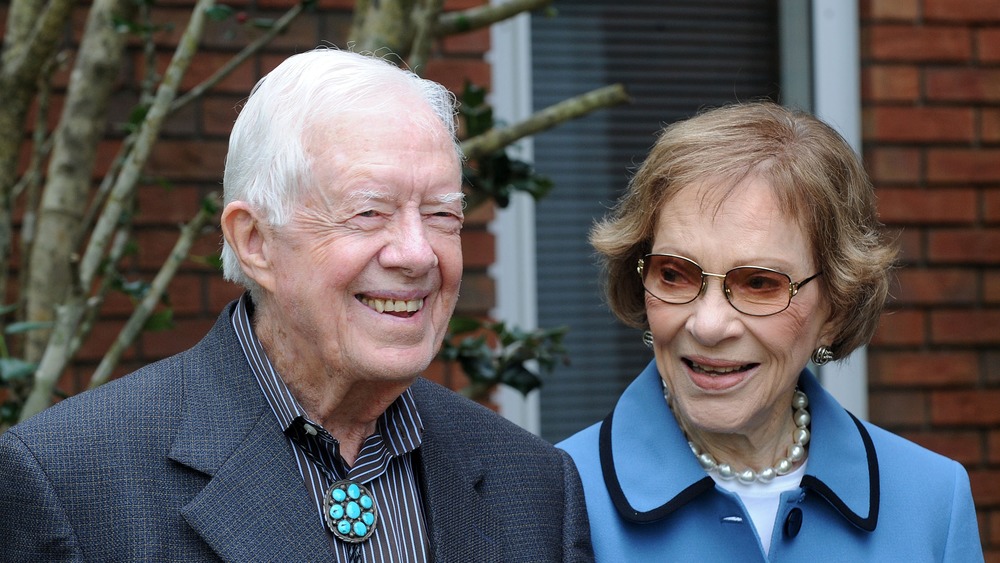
[[707, 461], [784, 467], [747, 476], [801, 418], [799, 400], [801, 436], [767, 475], [726, 471], [796, 453]]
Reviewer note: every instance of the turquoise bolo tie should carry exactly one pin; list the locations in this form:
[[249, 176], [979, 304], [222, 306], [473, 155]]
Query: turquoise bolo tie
[[349, 511]]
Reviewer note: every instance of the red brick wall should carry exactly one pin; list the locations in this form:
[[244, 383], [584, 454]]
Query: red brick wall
[[931, 103], [188, 162]]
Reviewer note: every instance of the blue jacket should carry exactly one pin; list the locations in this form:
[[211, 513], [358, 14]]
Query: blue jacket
[[867, 495]]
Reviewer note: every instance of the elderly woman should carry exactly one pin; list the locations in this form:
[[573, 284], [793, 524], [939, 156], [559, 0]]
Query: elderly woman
[[747, 244]]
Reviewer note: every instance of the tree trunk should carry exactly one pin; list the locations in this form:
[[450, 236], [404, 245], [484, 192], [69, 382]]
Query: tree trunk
[[68, 184]]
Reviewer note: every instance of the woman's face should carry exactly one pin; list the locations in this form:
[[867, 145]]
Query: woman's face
[[728, 372]]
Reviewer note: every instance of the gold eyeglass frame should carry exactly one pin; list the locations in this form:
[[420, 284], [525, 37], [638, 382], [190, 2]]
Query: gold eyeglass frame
[[793, 287]]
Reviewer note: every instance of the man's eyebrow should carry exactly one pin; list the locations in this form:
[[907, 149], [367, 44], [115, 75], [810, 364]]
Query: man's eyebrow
[[449, 198], [364, 196]]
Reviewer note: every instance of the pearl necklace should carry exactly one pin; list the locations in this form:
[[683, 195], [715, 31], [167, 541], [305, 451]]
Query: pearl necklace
[[796, 452]]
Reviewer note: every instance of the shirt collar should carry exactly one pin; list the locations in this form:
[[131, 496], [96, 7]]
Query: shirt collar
[[843, 467], [400, 425]]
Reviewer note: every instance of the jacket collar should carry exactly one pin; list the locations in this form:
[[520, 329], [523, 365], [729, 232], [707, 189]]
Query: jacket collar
[[229, 435], [460, 520], [843, 466]]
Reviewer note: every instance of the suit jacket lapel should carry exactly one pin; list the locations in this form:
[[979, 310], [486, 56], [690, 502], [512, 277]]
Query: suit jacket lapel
[[254, 506], [463, 526]]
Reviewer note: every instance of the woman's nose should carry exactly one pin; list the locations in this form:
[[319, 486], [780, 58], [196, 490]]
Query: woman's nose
[[713, 318]]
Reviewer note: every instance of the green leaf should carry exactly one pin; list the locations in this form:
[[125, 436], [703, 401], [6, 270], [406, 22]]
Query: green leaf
[[219, 12], [4, 309], [28, 326], [160, 321], [459, 325], [15, 368]]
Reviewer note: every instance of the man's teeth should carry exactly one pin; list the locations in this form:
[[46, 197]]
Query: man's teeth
[[716, 370], [393, 305]]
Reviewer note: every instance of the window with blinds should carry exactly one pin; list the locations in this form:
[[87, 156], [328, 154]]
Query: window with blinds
[[674, 57]]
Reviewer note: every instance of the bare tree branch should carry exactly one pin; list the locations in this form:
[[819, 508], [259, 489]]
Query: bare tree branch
[[479, 17], [68, 316], [279, 26], [147, 135], [424, 18], [547, 118], [74, 152], [141, 314]]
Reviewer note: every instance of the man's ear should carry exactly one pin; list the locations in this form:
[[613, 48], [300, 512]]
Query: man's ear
[[250, 238]]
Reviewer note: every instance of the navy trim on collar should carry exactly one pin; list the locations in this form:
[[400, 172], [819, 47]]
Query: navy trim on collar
[[625, 509], [865, 523]]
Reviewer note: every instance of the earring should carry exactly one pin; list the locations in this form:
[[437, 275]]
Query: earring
[[647, 339], [822, 355]]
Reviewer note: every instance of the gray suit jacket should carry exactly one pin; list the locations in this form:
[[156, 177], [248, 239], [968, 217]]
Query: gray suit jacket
[[183, 460]]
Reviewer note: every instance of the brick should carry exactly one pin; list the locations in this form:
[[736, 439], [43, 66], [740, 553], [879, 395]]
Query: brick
[[475, 42], [993, 455], [181, 160], [972, 11], [911, 246], [989, 127], [962, 84], [985, 487], [896, 409], [922, 369], [963, 165], [901, 327], [923, 207], [218, 113], [979, 246], [888, 83], [478, 248], [894, 165], [891, 9], [963, 447], [168, 206], [453, 73], [916, 124], [918, 286], [991, 366], [97, 343], [221, 292], [478, 294], [991, 205], [892, 42], [992, 535], [185, 333], [966, 327], [991, 287], [979, 407], [988, 45]]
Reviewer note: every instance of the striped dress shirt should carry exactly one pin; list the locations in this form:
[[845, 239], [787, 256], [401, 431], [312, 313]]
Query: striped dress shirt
[[385, 463]]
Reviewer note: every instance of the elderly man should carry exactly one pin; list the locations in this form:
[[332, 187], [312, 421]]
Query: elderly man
[[298, 428]]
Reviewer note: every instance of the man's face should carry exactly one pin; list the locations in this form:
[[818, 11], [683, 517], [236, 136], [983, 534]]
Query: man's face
[[367, 272]]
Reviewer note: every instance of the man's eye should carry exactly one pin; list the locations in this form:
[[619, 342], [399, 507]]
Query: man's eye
[[369, 213]]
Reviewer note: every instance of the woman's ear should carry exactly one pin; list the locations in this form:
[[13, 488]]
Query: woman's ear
[[250, 238]]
